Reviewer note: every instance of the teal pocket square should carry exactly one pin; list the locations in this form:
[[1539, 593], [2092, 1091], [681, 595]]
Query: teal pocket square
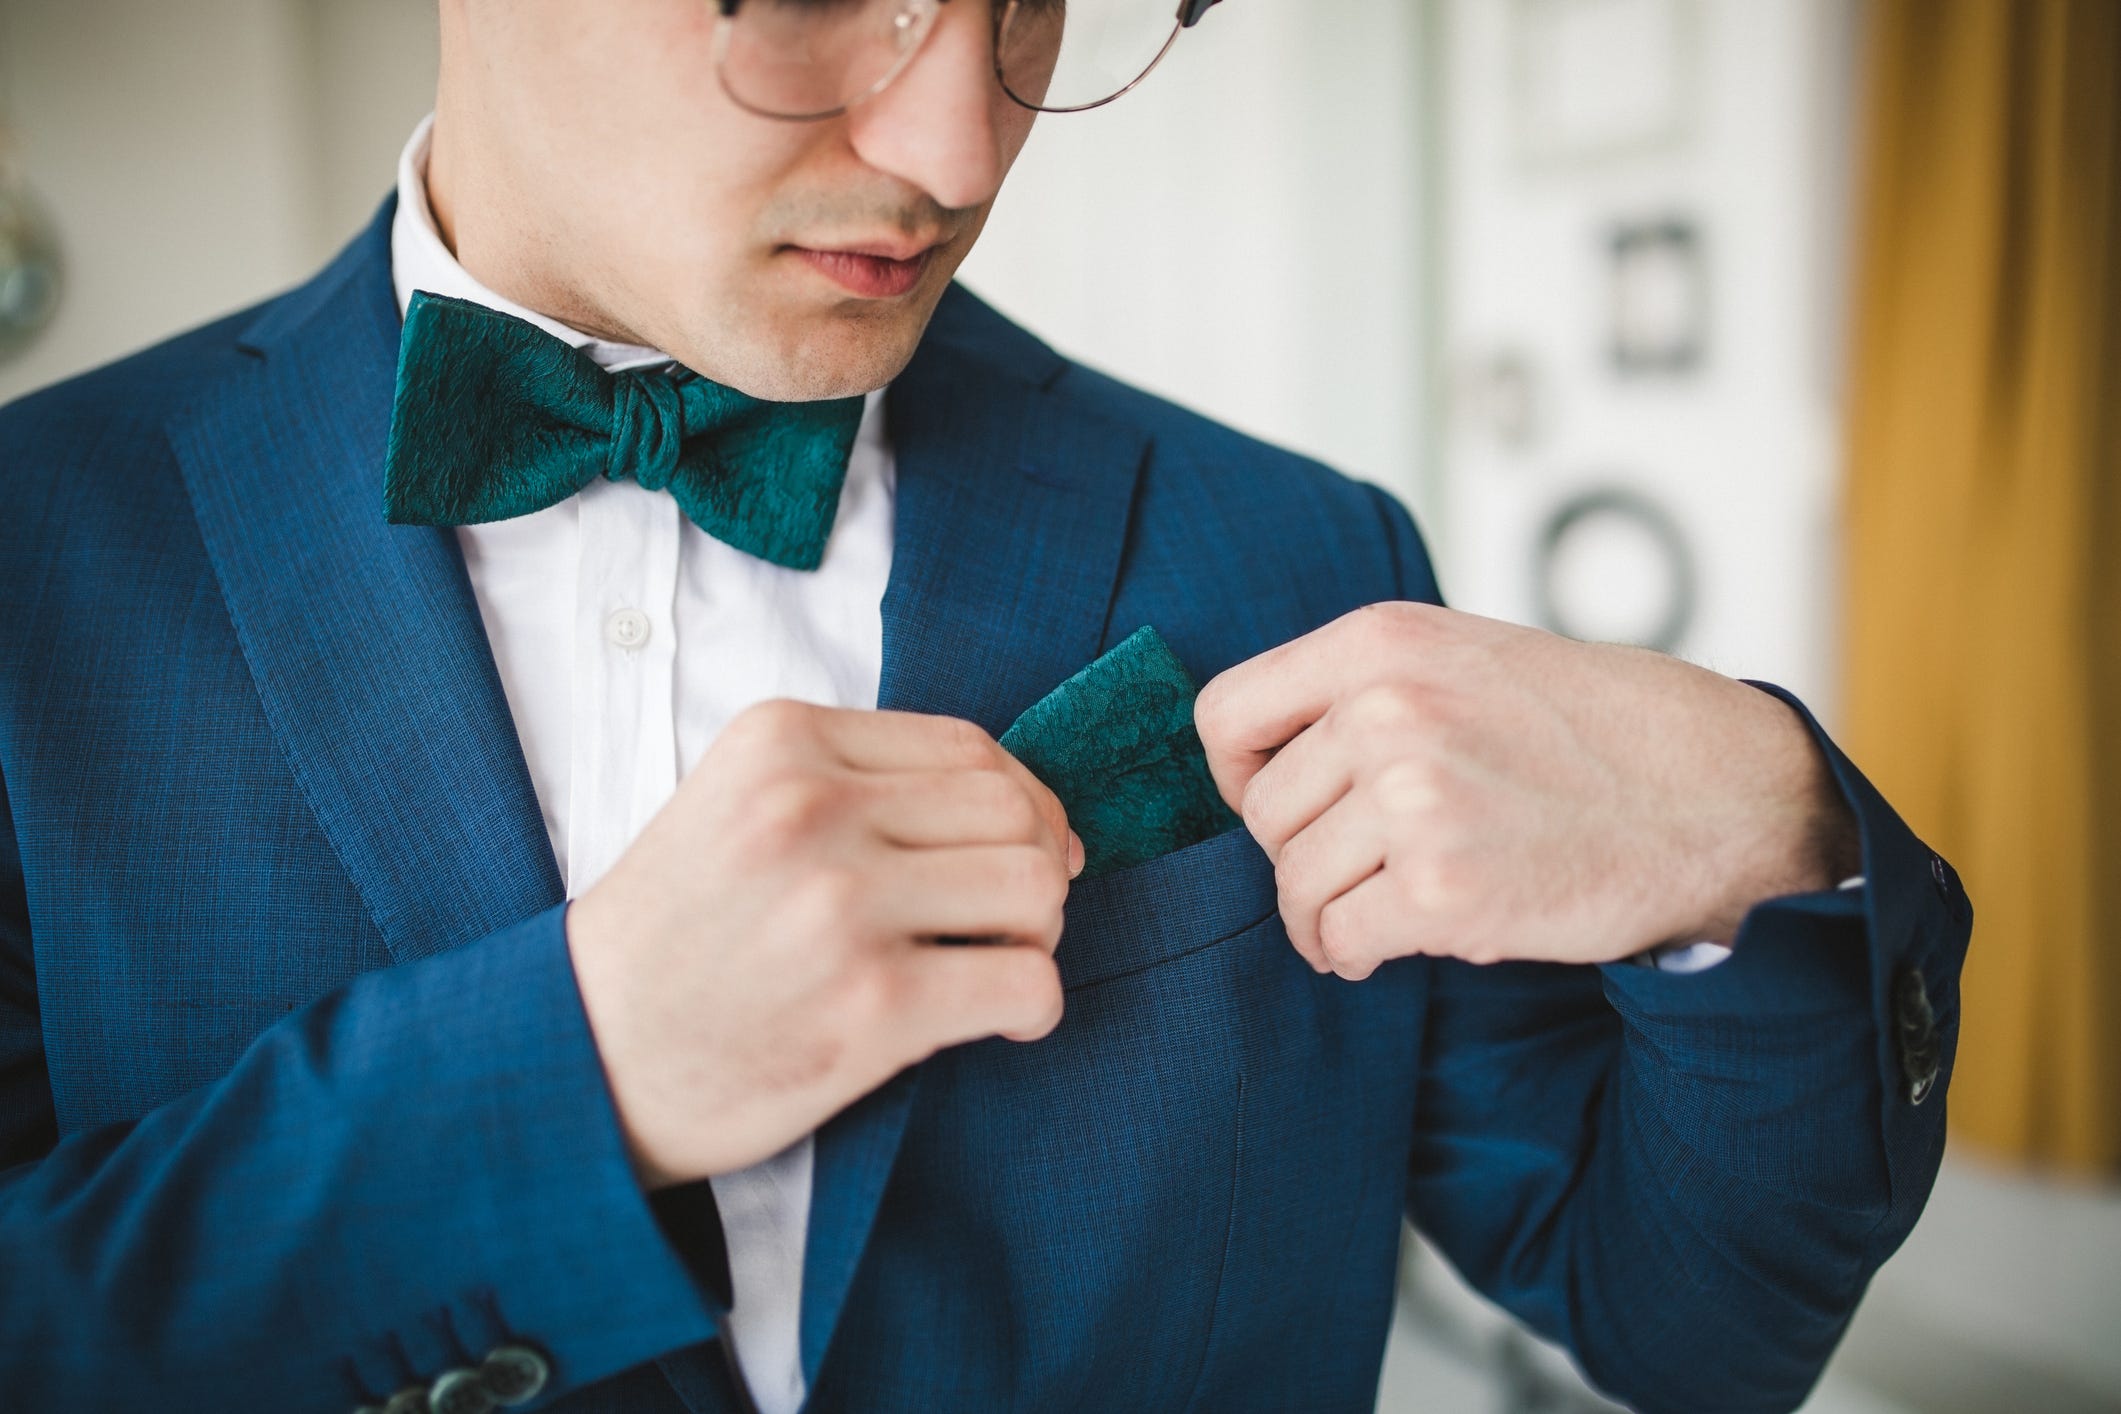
[[1116, 744]]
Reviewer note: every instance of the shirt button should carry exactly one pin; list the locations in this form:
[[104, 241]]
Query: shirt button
[[628, 628]]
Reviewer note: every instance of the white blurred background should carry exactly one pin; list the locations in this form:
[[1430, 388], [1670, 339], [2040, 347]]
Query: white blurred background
[[1506, 257]]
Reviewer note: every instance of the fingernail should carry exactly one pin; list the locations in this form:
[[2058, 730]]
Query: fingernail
[[1075, 854]]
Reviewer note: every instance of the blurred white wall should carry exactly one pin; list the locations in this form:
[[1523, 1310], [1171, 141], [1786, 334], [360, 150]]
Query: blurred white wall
[[1243, 233], [1568, 121], [166, 143], [198, 157]]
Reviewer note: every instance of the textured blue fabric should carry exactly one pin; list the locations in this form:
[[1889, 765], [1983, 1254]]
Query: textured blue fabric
[[297, 1101]]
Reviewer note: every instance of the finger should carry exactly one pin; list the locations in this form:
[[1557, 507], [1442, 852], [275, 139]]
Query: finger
[[922, 741], [1365, 927], [1049, 808], [1335, 853], [1303, 780], [955, 995], [1009, 891], [1247, 712], [924, 809], [904, 741]]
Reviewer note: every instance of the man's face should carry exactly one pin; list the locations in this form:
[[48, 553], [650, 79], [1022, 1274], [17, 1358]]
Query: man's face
[[588, 164]]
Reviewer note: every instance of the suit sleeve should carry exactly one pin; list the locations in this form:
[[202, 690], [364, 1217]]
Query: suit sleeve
[[420, 1166], [1689, 1179]]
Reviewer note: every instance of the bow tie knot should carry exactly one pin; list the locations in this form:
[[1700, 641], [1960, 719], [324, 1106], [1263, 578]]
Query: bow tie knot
[[647, 428], [496, 418]]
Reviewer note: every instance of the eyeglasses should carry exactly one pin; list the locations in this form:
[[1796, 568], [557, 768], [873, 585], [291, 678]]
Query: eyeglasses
[[808, 59]]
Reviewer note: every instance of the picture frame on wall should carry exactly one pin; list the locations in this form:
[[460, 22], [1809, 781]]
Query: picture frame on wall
[[1659, 297], [1566, 110]]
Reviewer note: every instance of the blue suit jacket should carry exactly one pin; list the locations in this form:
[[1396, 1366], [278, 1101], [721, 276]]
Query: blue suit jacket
[[297, 1099]]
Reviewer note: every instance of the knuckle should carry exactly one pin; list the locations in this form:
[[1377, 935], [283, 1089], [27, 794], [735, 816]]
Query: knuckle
[[1292, 874], [1209, 708], [776, 719], [1039, 880], [1432, 886], [869, 998], [1410, 785], [830, 899], [1256, 806], [1338, 940], [1015, 810], [1037, 992], [1388, 622], [1385, 707], [966, 743], [789, 806]]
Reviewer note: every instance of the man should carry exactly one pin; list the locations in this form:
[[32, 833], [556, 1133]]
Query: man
[[480, 916]]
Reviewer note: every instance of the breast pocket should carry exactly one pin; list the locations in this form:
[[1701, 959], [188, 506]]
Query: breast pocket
[[1063, 1205], [1177, 903]]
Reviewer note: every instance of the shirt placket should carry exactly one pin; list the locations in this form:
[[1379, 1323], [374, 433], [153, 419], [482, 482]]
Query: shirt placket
[[624, 740]]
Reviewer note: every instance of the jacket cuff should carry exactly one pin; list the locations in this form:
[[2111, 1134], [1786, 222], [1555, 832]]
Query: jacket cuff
[[1888, 952], [562, 1248]]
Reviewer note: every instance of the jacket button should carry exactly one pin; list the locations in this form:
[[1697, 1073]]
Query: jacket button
[[410, 1400], [1915, 1023], [514, 1374], [459, 1391]]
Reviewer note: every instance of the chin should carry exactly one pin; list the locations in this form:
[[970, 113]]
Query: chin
[[838, 354]]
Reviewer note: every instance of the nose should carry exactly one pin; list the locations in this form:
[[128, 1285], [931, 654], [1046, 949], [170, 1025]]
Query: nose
[[935, 126]]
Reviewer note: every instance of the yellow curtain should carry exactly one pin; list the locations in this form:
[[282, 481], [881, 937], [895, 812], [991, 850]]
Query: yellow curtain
[[1983, 643]]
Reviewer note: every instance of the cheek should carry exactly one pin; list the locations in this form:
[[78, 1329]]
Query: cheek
[[699, 211], [1012, 128]]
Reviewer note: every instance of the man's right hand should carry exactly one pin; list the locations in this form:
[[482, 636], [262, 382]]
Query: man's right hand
[[764, 953]]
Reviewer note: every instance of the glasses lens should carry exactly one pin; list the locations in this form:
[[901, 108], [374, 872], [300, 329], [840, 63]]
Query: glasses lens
[[1063, 54], [808, 58]]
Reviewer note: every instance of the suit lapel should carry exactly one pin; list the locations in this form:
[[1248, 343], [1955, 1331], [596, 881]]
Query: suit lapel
[[1012, 513], [364, 638]]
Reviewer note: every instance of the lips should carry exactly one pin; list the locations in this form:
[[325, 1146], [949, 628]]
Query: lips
[[873, 272]]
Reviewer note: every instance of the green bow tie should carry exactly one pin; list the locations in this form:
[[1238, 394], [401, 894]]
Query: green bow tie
[[496, 418]]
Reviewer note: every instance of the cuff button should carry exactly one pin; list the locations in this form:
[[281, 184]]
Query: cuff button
[[1916, 1022], [514, 1374], [410, 1400], [460, 1391]]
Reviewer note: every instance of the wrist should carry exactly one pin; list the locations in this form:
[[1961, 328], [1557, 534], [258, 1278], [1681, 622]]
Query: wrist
[[601, 992], [1793, 831]]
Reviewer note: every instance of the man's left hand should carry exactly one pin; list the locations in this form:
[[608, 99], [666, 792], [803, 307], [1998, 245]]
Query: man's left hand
[[1433, 782]]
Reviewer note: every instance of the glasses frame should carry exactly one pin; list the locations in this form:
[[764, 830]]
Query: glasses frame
[[924, 13]]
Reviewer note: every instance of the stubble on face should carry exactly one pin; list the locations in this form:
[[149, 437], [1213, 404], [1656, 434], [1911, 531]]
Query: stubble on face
[[597, 173], [786, 327]]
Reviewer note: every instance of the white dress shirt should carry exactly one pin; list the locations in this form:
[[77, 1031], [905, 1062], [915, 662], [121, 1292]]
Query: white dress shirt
[[626, 639]]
